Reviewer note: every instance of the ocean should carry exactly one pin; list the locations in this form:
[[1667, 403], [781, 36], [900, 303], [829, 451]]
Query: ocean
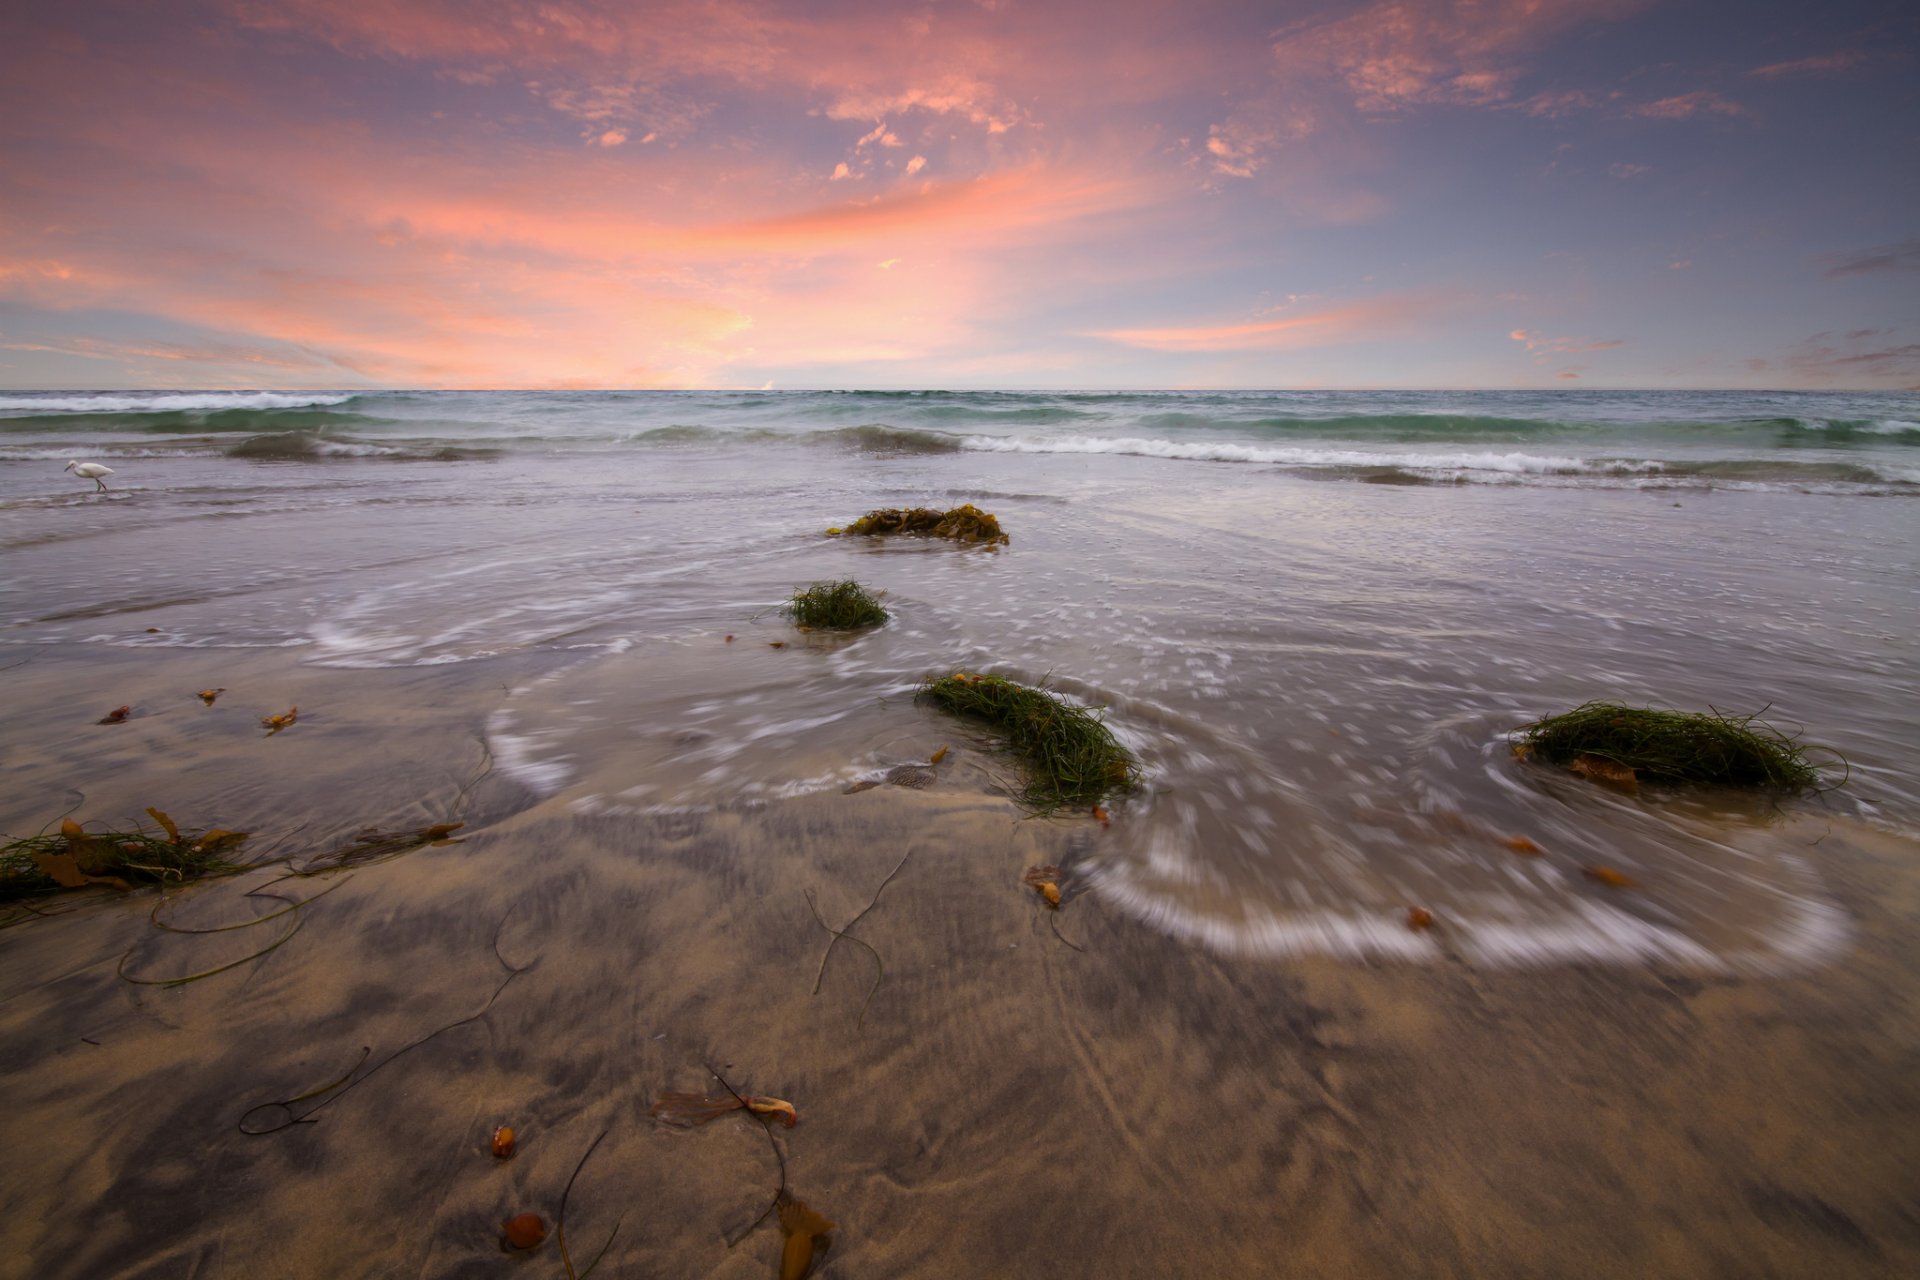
[[1316, 619]]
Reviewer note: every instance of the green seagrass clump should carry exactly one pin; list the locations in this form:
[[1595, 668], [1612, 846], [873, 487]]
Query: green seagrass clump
[[1071, 757], [1621, 744], [836, 606], [74, 858], [965, 523]]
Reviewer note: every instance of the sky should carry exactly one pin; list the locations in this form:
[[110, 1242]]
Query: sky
[[959, 193]]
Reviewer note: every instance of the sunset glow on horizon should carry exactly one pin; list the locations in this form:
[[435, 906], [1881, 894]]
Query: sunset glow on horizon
[[962, 193]]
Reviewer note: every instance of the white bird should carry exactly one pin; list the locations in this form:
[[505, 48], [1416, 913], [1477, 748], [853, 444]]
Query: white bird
[[90, 471]]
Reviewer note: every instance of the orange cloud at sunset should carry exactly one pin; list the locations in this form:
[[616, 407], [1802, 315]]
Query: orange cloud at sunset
[[1347, 322], [535, 192]]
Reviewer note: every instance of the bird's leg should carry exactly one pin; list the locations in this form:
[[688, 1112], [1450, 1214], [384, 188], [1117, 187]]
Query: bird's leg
[[102, 483]]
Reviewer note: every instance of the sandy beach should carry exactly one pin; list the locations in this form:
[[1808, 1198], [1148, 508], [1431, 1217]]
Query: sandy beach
[[1106, 1100], [1226, 1054]]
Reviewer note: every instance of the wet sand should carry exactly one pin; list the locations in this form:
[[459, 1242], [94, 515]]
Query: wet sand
[[1128, 1105]]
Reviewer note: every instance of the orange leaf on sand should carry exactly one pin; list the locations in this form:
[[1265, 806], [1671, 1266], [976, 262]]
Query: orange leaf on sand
[[1101, 816], [1608, 773], [776, 644], [217, 838], [1609, 877], [807, 1234], [523, 1231], [64, 870], [1522, 845], [440, 830], [72, 830], [208, 695], [274, 724], [729, 639], [166, 824], [937, 756], [1419, 918], [117, 716], [503, 1142], [774, 1107], [1044, 881]]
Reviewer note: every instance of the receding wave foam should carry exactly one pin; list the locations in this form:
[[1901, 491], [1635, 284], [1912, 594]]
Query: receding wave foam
[[1294, 456], [166, 402], [313, 446]]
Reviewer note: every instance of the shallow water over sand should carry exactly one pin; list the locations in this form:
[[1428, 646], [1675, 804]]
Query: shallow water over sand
[[1319, 678]]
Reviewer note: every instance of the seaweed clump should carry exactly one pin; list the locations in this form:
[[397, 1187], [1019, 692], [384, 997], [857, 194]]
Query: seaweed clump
[[73, 858], [1621, 744], [965, 523], [1071, 757], [836, 606]]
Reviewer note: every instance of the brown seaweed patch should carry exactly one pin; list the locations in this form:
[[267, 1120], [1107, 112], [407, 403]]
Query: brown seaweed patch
[[964, 523]]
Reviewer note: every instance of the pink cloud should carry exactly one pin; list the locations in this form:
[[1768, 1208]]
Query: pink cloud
[[1818, 64], [1846, 361], [1347, 322], [1543, 346], [1402, 53], [1685, 106], [1904, 256]]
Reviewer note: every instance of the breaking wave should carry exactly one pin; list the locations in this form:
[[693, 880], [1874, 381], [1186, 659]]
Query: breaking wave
[[36, 404]]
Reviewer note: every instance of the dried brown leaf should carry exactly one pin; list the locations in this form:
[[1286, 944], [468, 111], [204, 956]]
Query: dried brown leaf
[[523, 1231], [64, 870], [1419, 918], [274, 724], [117, 716], [503, 1142], [1609, 877], [208, 695], [166, 824], [807, 1234], [774, 1107], [937, 756], [216, 838], [1522, 845], [1608, 773]]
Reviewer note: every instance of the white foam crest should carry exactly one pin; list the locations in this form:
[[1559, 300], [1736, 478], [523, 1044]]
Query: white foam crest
[[169, 402], [94, 451], [1811, 934], [1224, 451], [517, 756]]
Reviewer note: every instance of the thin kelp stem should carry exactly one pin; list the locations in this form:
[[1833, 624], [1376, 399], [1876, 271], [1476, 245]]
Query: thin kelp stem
[[1053, 919], [486, 768], [153, 916], [276, 944], [779, 1156], [880, 967], [346, 1083], [560, 1219]]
